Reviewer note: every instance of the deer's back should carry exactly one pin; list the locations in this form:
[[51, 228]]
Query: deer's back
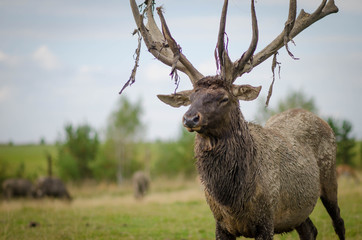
[[304, 126], [294, 147], [309, 131]]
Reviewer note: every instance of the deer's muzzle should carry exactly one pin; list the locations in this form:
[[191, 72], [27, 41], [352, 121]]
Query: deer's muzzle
[[192, 122]]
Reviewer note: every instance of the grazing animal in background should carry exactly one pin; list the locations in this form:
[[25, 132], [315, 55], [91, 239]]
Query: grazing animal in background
[[345, 170], [141, 184], [51, 187], [17, 187], [259, 181]]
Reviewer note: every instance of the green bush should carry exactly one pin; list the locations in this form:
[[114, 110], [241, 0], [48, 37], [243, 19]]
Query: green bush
[[67, 166], [104, 167], [77, 152], [345, 142], [176, 157]]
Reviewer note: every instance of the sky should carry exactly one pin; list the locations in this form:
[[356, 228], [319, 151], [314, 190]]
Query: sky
[[65, 62]]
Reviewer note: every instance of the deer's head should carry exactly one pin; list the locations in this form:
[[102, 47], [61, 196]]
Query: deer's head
[[211, 103], [213, 98]]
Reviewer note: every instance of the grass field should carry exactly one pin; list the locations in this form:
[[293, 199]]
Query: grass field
[[33, 158], [173, 210]]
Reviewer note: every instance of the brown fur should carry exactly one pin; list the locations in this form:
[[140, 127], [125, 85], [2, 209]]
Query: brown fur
[[17, 187], [51, 187], [141, 183], [260, 181]]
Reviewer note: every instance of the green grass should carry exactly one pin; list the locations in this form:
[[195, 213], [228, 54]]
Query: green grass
[[162, 215], [34, 158], [110, 212], [151, 221], [173, 210], [357, 160]]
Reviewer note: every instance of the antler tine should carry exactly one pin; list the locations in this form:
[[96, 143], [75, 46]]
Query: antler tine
[[223, 61], [154, 41], [191, 71], [248, 55], [150, 36], [303, 21], [153, 28], [289, 26]]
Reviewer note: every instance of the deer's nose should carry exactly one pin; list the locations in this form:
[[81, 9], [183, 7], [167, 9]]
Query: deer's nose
[[191, 121]]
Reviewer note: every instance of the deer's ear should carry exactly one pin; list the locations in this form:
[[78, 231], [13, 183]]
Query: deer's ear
[[177, 99], [246, 92]]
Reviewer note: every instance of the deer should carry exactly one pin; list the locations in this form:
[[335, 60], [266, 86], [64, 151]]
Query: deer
[[17, 187], [141, 184], [258, 180]]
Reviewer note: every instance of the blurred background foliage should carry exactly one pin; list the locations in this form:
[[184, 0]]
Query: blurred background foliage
[[294, 99], [78, 150], [114, 154], [345, 141], [175, 157]]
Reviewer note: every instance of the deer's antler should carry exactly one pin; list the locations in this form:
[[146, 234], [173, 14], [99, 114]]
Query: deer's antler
[[161, 45], [303, 21], [164, 47], [248, 55], [293, 26]]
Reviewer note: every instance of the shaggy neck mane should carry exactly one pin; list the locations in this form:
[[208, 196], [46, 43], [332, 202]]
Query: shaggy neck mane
[[225, 163]]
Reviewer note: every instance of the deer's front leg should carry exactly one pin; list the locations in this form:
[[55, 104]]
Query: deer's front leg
[[264, 232], [222, 234]]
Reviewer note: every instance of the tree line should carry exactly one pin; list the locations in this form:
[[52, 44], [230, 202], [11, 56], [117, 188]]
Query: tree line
[[81, 155]]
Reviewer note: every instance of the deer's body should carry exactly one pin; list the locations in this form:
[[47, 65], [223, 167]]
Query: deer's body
[[258, 181], [280, 182], [141, 184]]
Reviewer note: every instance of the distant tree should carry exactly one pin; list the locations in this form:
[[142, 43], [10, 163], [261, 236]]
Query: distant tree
[[77, 152], [294, 99], [117, 158], [104, 167], [185, 151], [176, 158], [345, 142]]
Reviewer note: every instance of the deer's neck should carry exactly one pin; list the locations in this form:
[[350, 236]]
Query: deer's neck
[[225, 163]]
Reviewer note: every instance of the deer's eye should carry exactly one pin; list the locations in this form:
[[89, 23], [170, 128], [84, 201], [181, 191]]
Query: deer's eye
[[224, 100]]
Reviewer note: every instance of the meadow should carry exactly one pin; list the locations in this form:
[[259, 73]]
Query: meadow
[[174, 209], [28, 160]]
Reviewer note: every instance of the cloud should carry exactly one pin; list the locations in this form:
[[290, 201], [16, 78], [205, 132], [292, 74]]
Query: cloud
[[45, 58], [8, 60], [3, 56], [5, 93], [88, 69]]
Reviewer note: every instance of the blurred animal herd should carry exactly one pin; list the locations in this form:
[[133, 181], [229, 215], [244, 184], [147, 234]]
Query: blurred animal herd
[[43, 187]]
